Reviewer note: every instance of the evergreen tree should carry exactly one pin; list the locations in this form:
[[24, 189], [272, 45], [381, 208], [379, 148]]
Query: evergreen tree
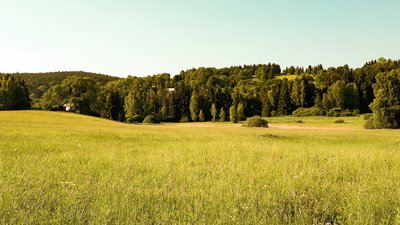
[[233, 115], [222, 115], [240, 112], [214, 112], [194, 107], [14, 94], [201, 116]]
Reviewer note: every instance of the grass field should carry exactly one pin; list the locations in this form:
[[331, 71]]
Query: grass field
[[62, 168], [287, 76]]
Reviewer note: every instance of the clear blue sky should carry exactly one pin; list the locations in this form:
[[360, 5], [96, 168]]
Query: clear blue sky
[[145, 37]]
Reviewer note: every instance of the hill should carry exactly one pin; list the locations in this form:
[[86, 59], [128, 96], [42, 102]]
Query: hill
[[38, 83]]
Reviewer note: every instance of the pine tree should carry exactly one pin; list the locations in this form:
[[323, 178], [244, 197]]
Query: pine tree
[[214, 112]]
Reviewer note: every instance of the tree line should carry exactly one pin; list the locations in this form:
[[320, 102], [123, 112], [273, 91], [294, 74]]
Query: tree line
[[232, 93], [14, 94]]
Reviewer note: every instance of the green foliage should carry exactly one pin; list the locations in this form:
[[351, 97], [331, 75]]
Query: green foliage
[[367, 116], [111, 105], [194, 107], [233, 117], [252, 88], [369, 123], [386, 106], [13, 94], [214, 113], [201, 116], [256, 122], [338, 112], [184, 119], [135, 119], [222, 115], [39, 83], [240, 112], [341, 95], [302, 112], [335, 112], [151, 119], [78, 92]]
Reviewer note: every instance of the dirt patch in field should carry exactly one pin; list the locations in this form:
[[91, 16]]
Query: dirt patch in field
[[294, 127], [273, 126], [208, 125]]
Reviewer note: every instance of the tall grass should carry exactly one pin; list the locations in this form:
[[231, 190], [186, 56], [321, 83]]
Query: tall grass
[[61, 168]]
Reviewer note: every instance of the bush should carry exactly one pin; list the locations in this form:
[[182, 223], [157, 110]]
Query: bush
[[256, 122], [339, 121], [338, 112], [347, 113], [314, 111], [367, 116], [151, 119], [184, 119], [135, 119], [299, 121], [369, 124], [335, 112]]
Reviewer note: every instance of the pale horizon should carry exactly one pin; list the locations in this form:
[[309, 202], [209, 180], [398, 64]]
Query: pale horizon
[[121, 38]]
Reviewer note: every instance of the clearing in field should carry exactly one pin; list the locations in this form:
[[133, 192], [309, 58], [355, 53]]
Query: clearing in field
[[72, 169]]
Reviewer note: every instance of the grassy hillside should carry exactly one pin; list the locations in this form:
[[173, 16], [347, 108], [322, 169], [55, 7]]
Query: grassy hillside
[[63, 168]]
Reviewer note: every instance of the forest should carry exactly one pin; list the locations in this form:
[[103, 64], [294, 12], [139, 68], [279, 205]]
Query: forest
[[210, 94]]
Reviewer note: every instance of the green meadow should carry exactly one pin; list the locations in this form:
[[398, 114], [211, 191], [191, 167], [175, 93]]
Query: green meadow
[[63, 168]]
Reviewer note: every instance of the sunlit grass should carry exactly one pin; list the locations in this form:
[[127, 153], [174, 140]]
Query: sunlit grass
[[63, 168], [288, 76]]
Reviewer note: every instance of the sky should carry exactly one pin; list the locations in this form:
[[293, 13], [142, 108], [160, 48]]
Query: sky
[[146, 37]]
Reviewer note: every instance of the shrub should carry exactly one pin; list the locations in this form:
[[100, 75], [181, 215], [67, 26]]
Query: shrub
[[339, 121], [367, 116], [151, 119], [256, 122], [184, 119], [135, 119], [299, 121], [338, 112], [335, 112], [369, 124], [347, 113], [314, 111]]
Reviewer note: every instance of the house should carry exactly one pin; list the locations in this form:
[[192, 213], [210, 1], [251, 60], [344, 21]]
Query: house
[[68, 106]]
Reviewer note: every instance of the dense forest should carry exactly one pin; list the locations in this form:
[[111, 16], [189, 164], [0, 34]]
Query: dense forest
[[233, 93]]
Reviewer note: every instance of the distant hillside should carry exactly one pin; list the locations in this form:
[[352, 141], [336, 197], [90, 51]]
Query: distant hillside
[[38, 83]]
